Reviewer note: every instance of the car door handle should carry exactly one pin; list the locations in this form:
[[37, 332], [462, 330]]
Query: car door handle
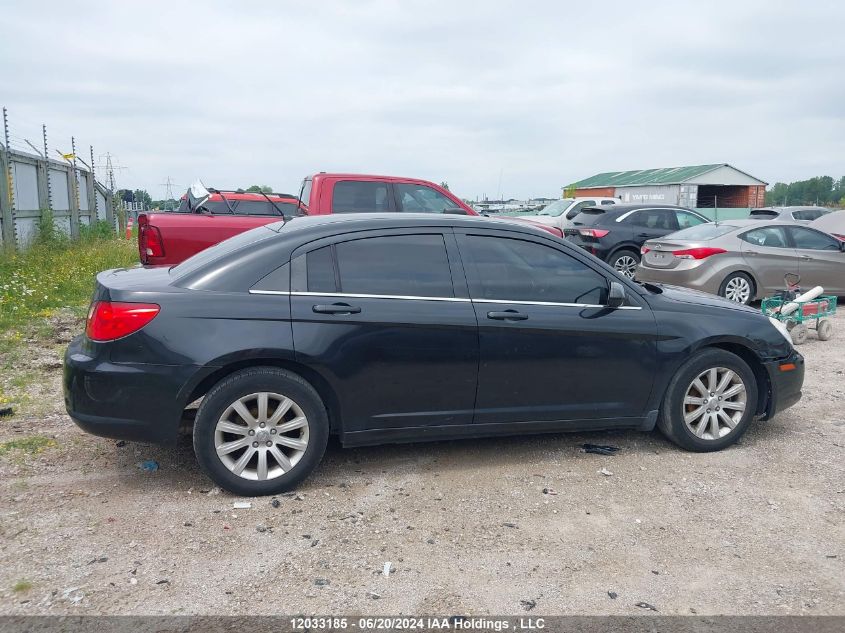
[[751, 253], [336, 308], [806, 258], [507, 315]]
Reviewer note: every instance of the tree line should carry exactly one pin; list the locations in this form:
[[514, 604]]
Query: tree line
[[821, 190]]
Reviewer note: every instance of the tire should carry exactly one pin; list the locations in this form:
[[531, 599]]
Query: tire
[[286, 400], [625, 262], [799, 334], [738, 287], [675, 408], [824, 330]]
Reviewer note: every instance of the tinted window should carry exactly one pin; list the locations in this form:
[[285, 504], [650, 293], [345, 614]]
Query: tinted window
[[576, 209], [686, 219], [762, 214], [661, 219], [608, 201], [422, 199], [704, 232], [808, 214], [352, 196], [320, 267], [516, 270], [771, 236], [813, 240], [264, 207], [405, 265]]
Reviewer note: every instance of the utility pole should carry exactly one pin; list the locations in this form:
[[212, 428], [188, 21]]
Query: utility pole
[[47, 169], [168, 185]]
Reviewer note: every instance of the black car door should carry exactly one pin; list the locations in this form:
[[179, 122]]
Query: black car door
[[648, 224], [380, 317], [550, 349]]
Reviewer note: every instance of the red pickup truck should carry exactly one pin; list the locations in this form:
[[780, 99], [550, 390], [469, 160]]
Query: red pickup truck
[[169, 238]]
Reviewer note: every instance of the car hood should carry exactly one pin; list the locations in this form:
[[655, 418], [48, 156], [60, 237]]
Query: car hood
[[696, 297], [540, 219]]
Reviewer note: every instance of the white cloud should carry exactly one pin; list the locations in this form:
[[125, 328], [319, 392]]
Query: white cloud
[[543, 92]]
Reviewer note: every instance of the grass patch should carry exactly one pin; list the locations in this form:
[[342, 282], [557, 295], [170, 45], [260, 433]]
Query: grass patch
[[21, 586], [56, 272], [32, 445]]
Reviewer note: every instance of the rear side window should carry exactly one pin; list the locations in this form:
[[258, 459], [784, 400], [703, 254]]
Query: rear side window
[[762, 214], [394, 265], [517, 270], [813, 240], [662, 219], [608, 201], [808, 214], [770, 236], [422, 199], [354, 196]]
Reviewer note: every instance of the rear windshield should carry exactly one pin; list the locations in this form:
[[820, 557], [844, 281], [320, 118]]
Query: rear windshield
[[703, 232], [222, 249], [762, 214]]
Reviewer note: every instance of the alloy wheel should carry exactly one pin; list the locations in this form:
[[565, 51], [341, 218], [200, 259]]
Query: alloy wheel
[[626, 265], [261, 436], [714, 403], [738, 289]]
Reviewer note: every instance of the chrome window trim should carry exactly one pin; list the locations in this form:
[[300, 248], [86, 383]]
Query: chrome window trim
[[348, 295]]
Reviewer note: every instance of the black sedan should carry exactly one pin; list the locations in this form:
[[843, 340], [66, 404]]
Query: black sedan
[[397, 328], [616, 233]]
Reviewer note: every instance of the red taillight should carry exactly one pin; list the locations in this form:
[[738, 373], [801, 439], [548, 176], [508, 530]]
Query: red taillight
[[149, 240], [593, 232], [110, 320], [644, 250], [698, 253], [839, 237]]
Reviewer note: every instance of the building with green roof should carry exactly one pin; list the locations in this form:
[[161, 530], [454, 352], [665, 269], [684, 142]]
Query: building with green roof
[[705, 187]]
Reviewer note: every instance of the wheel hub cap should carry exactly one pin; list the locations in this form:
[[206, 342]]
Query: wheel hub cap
[[714, 403]]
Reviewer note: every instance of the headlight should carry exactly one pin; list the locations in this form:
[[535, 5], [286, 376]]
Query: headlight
[[780, 326]]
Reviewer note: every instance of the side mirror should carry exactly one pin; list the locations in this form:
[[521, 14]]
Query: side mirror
[[842, 246], [616, 296]]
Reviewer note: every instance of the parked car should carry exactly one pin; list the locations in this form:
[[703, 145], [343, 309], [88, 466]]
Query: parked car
[[615, 234], [167, 239], [388, 328], [789, 214], [561, 212], [206, 218], [744, 260], [832, 223]]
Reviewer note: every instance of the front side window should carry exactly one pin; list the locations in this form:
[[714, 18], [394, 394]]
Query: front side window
[[422, 199], [394, 265], [517, 270], [813, 240], [771, 236], [686, 219], [356, 196]]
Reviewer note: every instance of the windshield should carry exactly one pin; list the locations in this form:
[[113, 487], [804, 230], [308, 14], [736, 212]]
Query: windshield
[[701, 232], [556, 208], [221, 250]]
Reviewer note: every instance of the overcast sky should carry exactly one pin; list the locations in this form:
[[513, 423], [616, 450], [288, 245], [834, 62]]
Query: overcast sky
[[537, 94]]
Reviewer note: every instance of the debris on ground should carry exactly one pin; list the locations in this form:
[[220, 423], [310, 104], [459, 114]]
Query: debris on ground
[[321, 582], [120, 443], [386, 571], [605, 472], [163, 581], [101, 559], [374, 595], [275, 503], [528, 604], [599, 449], [149, 465], [6, 412], [646, 605], [260, 528], [241, 505], [613, 595], [549, 491], [214, 491], [510, 525]]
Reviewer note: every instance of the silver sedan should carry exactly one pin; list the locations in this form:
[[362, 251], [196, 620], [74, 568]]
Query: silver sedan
[[744, 260]]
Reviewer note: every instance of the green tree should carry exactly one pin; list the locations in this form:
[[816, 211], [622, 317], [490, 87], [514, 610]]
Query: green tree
[[141, 195], [822, 190], [259, 189], [445, 185], [569, 191]]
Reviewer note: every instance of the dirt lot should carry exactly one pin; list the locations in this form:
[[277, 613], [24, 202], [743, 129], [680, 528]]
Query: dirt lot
[[466, 526]]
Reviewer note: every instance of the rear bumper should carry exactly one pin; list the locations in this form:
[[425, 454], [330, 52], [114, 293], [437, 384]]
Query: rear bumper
[[138, 402], [786, 377], [703, 278]]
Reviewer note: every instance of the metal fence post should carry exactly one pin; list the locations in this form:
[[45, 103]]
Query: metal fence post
[[7, 191], [74, 191]]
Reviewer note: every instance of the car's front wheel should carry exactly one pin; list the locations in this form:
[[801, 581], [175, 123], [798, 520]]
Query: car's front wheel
[[710, 401], [260, 431]]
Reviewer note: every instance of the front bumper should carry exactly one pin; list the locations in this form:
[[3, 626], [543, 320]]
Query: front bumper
[[786, 377], [138, 402]]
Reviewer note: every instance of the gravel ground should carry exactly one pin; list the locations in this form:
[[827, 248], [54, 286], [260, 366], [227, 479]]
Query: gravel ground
[[519, 526]]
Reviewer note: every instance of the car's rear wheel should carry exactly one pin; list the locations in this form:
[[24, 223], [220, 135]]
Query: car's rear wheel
[[738, 287], [625, 262], [710, 401], [260, 431]]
